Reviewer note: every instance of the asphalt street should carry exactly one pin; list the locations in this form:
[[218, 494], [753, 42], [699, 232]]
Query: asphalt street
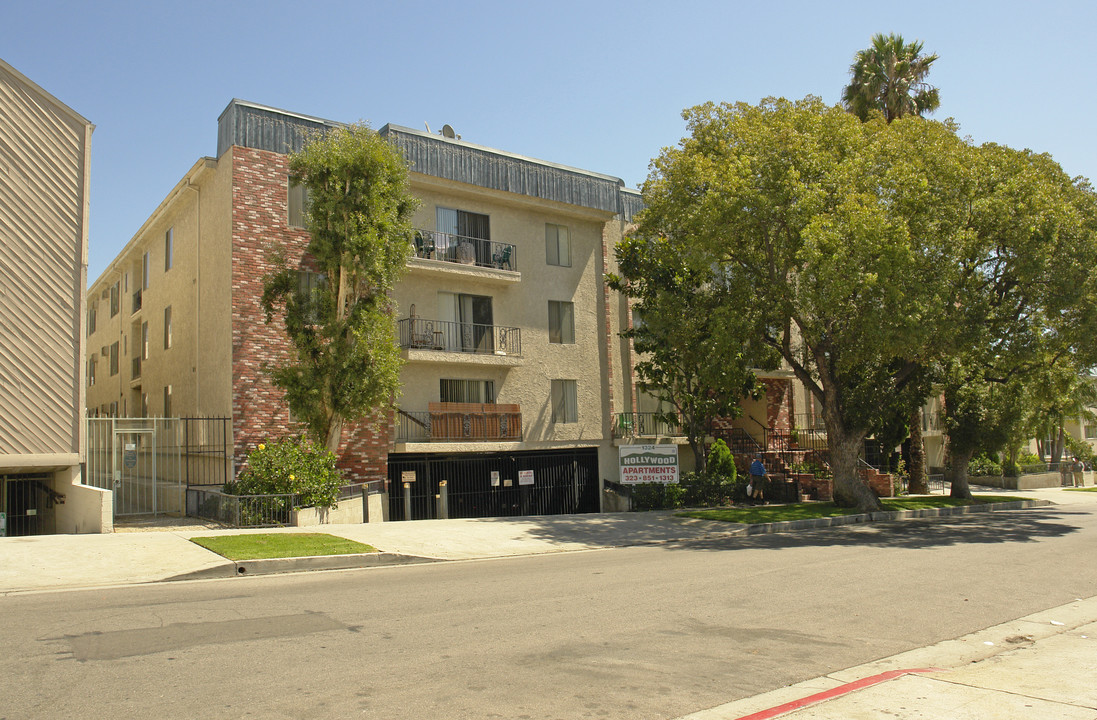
[[646, 632]]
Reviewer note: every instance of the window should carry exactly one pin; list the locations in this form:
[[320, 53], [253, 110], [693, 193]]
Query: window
[[308, 284], [467, 391], [144, 404], [115, 297], [144, 341], [167, 401], [1091, 432], [565, 405], [91, 372], [561, 322], [93, 310], [114, 359], [557, 245], [167, 327], [169, 248], [297, 205], [145, 260]]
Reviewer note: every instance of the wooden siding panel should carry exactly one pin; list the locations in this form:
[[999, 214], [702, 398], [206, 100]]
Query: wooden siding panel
[[43, 152]]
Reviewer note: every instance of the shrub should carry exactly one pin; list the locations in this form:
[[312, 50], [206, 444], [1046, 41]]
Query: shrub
[[984, 466], [657, 496], [291, 466]]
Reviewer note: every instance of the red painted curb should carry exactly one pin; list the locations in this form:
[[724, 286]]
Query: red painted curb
[[833, 693]]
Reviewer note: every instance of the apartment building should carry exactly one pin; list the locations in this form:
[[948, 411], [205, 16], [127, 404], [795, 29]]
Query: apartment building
[[514, 368], [44, 175]]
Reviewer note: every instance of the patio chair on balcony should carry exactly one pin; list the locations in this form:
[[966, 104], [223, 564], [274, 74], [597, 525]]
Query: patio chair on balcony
[[424, 244], [502, 258]]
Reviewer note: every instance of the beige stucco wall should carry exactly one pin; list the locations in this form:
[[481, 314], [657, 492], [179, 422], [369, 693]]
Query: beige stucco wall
[[86, 509], [196, 287], [518, 300], [44, 177]]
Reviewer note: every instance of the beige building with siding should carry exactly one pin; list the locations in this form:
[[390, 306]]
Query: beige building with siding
[[44, 175]]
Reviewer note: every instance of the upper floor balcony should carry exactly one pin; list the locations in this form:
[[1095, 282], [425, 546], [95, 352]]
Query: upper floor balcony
[[647, 424], [459, 337], [136, 302], [451, 253]]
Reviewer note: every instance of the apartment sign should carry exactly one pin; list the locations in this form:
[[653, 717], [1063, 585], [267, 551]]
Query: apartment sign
[[649, 464]]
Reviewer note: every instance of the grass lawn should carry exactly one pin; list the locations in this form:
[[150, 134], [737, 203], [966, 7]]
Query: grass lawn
[[1088, 489], [811, 510], [281, 545]]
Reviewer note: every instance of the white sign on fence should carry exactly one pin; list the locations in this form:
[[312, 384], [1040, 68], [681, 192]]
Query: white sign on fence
[[495, 478], [649, 464], [525, 477]]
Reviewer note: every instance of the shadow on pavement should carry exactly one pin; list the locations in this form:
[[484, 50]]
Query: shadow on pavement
[[667, 531]]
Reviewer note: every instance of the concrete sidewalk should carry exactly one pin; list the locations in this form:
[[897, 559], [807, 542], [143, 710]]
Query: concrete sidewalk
[[1039, 667], [55, 562]]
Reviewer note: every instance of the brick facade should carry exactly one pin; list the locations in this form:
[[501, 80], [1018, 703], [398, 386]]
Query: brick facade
[[778, 404], [259, 412]]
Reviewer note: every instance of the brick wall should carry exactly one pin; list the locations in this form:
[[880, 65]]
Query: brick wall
[[259, 220], [778, 403]]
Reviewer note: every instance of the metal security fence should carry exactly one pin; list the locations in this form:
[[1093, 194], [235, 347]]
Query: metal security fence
[[149, 462], [240, 510], [469, 485], [27, 502]]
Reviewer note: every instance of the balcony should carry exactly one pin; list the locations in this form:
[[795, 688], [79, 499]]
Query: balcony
[[647, 424], [463, 250], [135, 368], [456, 337], [136, 302], [460, 422]]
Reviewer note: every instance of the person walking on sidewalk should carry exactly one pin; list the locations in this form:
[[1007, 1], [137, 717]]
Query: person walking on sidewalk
[[757, 479], [1077, 469]]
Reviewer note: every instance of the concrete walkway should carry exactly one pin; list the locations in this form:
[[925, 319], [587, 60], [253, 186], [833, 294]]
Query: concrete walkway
[[1041, 666]]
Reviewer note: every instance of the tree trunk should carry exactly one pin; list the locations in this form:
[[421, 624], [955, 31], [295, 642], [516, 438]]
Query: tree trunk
[[956, 473], [335, 433], [700, 461], [849, 489], [918, 482]]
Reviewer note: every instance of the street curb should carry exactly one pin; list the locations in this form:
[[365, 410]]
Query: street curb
[[271, 566]]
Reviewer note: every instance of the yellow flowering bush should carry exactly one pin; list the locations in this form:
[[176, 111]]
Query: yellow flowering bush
[[295, 466]]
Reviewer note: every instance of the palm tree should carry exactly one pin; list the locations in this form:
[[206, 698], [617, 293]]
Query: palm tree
[[890, 77]]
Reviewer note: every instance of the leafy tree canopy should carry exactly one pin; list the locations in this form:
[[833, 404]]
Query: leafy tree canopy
[[848, 237]]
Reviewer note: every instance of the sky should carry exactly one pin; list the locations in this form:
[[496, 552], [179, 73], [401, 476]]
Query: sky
[[595, 85]]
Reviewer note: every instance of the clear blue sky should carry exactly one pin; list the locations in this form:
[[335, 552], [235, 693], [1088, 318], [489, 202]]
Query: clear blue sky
[[597, 85]]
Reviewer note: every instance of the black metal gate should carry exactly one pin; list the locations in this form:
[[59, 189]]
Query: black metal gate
[[494, 484], [27, 503]]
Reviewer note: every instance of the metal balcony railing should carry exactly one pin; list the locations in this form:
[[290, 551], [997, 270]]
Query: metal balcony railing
[[646, 424], [447, 247], [459, 337], [136, 302], [460, 422], [136, 368]]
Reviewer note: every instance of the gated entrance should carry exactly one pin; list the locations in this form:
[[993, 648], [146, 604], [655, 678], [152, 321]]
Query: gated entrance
[[27, 504], [148, 462], [550, 482]]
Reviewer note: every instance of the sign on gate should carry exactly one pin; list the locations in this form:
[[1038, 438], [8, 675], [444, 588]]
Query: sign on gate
[[129, 456], [525, 477], [649, 464]]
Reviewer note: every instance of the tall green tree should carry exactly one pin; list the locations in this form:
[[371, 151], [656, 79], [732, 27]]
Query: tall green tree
[[694, 341], [890, 77], [346, 359], [1029, 304], [848, 236]]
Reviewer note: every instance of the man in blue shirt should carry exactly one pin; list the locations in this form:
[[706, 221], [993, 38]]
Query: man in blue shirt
[[757, 478]]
